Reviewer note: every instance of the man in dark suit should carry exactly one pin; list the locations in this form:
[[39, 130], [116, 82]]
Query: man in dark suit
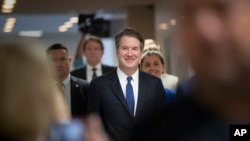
[[93, 50], [126, 95], [74, 89]]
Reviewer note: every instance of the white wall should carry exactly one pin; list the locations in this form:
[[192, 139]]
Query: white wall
[[165, 11]]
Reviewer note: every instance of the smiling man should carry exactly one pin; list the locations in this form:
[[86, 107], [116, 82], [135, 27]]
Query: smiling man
[[125, 96]]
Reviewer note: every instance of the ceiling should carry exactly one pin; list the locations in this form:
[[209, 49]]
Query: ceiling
[[48, 15], [76, 6]]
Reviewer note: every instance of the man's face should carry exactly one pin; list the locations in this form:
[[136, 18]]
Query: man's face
[[213, 33], [129, 53], [93, 53], [61, 61]]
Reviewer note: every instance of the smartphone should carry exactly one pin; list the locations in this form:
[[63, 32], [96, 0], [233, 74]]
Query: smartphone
[[72, 131]]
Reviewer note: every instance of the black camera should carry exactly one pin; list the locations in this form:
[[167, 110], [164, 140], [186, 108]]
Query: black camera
[[88, 24]]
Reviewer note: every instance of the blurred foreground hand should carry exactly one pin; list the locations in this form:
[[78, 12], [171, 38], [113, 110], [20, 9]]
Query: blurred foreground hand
[[94, 130]]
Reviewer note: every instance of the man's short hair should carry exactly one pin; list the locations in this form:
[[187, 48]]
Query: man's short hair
[[56, 46], [95, 39], [129, 32]]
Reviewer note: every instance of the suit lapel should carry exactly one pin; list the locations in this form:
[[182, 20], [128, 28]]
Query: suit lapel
[[84, 72], [116, 87], [75, 91], [141, 93]]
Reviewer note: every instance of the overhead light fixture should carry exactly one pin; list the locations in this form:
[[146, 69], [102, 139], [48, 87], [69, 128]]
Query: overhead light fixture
[[7, 10], [68, 24], [9, 25], [31, 33], [173, 22], [73, 19], [10, 1], [8, 6], [163, 26], [62, 28], [7, 30]]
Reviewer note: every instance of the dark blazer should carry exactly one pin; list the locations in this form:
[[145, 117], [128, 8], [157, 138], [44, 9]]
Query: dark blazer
[[79, 96], [82, 72], [106, 98]]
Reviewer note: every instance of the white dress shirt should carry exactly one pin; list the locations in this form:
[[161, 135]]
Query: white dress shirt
[[169, 81], [67, 92], [90, 71], [134, 82]]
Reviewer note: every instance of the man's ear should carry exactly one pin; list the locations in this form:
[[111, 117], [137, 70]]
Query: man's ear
[[70, 59]]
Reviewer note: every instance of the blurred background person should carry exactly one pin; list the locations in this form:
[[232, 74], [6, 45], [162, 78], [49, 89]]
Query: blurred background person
[[93, 50], [215, 39], [151, 44], [169, 81], [79, 55], [29, 102], [75, 90], [152, 62]]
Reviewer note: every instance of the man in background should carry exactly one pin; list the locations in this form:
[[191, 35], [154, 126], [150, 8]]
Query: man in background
[[75, 90], [93, 50]]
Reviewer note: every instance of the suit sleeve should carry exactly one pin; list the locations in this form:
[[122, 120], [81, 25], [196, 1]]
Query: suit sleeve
[[162, 98], [94, 100]]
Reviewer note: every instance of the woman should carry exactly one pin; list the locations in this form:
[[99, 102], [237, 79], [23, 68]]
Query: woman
[[152, 62]]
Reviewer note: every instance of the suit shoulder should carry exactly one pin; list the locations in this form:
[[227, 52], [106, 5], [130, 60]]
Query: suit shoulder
[[78, 70], [105, 77], [149, 76], [80, 81], [108, 67]]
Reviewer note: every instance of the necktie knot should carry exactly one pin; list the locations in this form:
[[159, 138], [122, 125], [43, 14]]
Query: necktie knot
[[129, 78]]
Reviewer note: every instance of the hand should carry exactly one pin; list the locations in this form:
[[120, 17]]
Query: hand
[[94, 130]]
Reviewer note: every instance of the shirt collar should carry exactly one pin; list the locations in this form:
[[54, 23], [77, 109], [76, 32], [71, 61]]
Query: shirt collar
[[67, 80], [98, 66], [123, 76]]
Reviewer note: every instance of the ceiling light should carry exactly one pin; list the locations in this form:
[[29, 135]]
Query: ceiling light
[[11, 20], [9, 26], [163, 26], [62, 29], [173, 21], [7, 30], [10, 1], [31, 33], [7, 6], [7, 10], [73, 19], [68, 24]]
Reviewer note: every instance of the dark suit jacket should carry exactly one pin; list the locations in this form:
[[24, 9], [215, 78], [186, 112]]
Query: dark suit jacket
[[79, 96], [106, 98], [186, 87], [82, 72], [189, 119]]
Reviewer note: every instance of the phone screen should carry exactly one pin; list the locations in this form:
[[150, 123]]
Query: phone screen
[[72, 131]]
